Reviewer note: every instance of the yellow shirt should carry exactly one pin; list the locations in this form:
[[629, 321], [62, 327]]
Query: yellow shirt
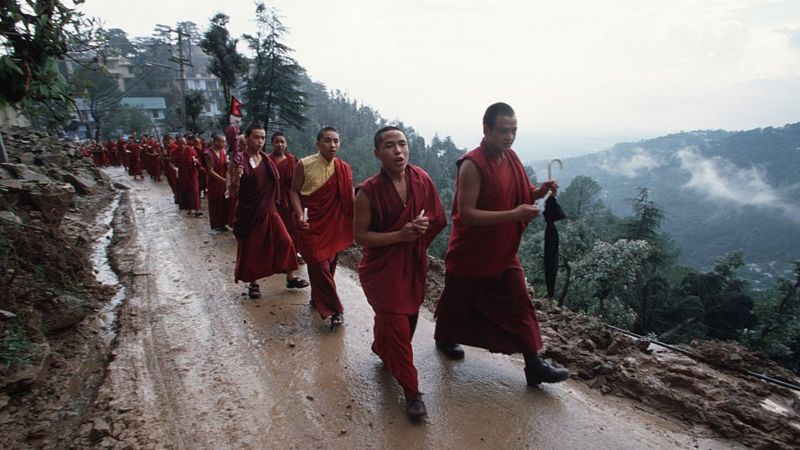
[[316, 172]]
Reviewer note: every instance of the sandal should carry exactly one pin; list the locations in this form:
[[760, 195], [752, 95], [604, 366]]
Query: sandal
[[296, 283], [336, 320], [198, 213], [253, 291]]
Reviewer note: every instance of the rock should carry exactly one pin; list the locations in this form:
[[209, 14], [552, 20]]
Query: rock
[[4, 399], [27, 158], [51, 160], [587, 374], [735, 357], [9, 216], [643, 344], [52, 200], [37, 432], [63, 312], [605, 368], [100, 430], [6, 315], [82, 185], [108, 442], [587, 344]]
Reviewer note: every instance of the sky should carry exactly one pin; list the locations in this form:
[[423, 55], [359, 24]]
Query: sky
[[580, 74]]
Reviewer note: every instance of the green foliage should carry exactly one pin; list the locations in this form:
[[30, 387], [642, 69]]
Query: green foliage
[[100, 90], [272, 92], [125, 119], [226, 63], [15, 347], [777, 333], [195, 102], [35, 34]]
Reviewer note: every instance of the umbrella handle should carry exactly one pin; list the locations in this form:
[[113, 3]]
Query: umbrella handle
[[550, 168]]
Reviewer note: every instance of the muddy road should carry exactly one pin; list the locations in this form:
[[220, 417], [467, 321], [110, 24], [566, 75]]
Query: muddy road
[[198, 365]]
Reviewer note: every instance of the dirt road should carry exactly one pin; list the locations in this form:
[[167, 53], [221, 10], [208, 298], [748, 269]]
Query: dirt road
[[197, 365]]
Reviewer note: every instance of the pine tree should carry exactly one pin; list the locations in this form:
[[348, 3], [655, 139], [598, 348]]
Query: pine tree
[[226, 63], [272, 88]]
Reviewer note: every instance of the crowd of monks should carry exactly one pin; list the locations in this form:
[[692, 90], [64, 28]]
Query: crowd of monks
[[285, 211]]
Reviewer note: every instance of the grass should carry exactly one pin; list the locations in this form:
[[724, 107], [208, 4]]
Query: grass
[[15, 347]]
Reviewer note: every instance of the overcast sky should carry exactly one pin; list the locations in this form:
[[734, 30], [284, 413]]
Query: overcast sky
[[581, 75]]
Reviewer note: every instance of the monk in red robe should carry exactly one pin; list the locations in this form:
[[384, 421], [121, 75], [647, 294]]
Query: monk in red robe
[[397, 215], [485, 301], [263, 246], [135, 162], [167, 167], [286, 164], [215, 161], [199, 148], [184, 160], [122, 152], [322, 198]]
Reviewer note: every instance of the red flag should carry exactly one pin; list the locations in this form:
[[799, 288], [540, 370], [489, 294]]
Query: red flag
[[236, 107]]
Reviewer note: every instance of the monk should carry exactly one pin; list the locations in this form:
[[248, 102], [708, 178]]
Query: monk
[[184, 161], [167, 167], [215, 161], [263, 246], [135, 161], [197, 144], [286, 164], [323, 188], [397, 215], [122, 151], [485, 301]]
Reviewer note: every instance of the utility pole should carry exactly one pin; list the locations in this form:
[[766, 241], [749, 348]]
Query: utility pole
[[182, 62]]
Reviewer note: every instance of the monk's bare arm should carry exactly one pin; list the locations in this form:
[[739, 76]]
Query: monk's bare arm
[[294, 194], [469, 186], [367, 238]]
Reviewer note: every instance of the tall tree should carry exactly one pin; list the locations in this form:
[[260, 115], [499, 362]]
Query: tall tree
[[226, 63], [195, 102], [273, 93]]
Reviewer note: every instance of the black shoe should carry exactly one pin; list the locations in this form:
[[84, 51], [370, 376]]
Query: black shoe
[[415, 408], [254, 291], [451, 349], [544, 373], [296, 283], [336, 320]]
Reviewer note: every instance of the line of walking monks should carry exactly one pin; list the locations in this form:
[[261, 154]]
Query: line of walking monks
[[284, 206]]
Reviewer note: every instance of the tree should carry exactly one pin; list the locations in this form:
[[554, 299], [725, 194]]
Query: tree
[[195, 102], [272, 88], [119, 43], [580, 200], [125, 119], [100, 91], [226, 63]]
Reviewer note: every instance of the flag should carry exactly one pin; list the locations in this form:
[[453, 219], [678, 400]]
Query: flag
[[236, 107]]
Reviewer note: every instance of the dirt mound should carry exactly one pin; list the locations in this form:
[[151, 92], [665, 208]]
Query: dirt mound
[[47, 336]]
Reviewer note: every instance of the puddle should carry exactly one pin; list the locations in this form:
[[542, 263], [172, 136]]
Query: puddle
[[103, 272]]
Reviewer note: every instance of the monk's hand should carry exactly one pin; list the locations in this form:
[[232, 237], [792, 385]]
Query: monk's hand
[[421, 224], [303, 224], [525, 212], [551, 186], [409, 232], [238, 170]]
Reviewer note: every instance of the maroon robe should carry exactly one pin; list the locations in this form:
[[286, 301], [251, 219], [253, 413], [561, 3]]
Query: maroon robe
[[135, 162], [169, 172], [330, 220], [286, 168], [393, 276], [263, 246], [218, 205], [485, 301], [188, 188]]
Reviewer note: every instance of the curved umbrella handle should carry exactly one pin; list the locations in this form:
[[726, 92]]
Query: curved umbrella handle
[[550, 167]]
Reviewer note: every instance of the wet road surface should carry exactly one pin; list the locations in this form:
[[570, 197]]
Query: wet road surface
[[202, 366]]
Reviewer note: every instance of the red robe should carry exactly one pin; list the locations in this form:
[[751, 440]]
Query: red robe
[[330, 220], [135, 162], [172, 177], [188, 188], [113, 156], [122, 153], [485, 302], [393, 276], [286, 168], [218, 205], [155, 151], [263, 245]]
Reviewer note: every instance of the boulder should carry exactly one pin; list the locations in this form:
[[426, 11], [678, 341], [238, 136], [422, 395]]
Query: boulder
[[84, 186], [33, 374], [63, 312], [9, 216], [27, 158], [52, 200]]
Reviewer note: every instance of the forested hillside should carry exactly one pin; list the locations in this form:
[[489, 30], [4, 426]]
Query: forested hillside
[[720, 191]]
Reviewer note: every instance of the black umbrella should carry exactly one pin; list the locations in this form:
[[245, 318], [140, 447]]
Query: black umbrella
[[552, 214]]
